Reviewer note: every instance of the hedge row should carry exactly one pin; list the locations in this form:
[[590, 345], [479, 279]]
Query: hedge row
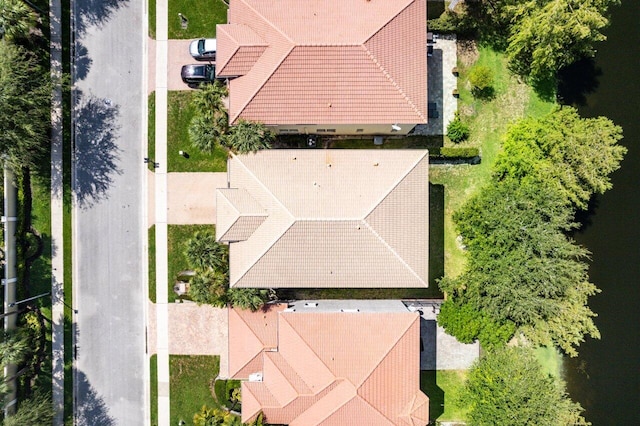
[[454, 152]]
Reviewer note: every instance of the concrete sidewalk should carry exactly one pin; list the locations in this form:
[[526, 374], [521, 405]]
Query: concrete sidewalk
[[57, 245]]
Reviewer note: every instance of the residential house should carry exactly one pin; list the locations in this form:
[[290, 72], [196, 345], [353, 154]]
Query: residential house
[[326, 67], [326, 218], [319, 364]]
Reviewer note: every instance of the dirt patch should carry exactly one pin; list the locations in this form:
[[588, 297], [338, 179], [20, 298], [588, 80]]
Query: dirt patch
[[467, 52]]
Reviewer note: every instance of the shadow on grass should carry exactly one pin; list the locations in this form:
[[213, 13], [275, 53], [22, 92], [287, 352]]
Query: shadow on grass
[[430, 387]]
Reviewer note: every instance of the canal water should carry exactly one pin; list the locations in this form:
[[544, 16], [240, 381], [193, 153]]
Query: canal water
[[605, 378]]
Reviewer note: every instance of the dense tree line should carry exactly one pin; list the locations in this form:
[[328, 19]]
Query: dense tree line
[[508, 387], [539, 36], [525, 276]]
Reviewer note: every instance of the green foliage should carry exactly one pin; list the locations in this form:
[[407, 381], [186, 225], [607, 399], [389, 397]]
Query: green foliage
[[15, 347], [210, 287], [481, 79], [448, 22], [507, 387], [248, 298], [204, 252], [456, 152], [467, 323], [16, 19], [457, 131], [220, 391], [572, 154], [37, 410], [522, 268], [212, 417], [249, 136], [546, 37], [25, 98], [210, 122]]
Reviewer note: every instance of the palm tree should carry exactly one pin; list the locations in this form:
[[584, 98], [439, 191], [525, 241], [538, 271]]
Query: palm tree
[[14, 348], [203, 252], [211, 122], [249, 136], [16, 19], [37, 410], [247, 298], [209, 287]]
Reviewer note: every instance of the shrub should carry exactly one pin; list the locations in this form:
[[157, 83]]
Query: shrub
[[455, 152], [457, 131], [481, 79]]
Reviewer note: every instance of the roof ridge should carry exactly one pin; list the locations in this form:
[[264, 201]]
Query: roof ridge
[[266, 79], [271, 24], [406, 330], [374, 408], [283, 359], [383, 69]]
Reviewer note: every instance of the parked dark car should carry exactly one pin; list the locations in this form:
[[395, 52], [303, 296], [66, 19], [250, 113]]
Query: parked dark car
[[195, 74], [203, 49]]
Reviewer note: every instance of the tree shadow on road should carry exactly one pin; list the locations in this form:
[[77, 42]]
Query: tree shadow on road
[[82, 62], [96, 152], [94, 13], [91, 410]]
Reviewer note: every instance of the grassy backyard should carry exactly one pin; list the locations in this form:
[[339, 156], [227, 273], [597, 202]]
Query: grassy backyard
[[488, 121], [190, 382], [177, 235], [444, 388], [179, 115], [202, 16]]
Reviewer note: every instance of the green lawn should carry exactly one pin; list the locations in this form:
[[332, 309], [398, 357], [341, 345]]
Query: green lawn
[[488, 121], [152, 263], [443, 389], [179, 115], [151, 131], [153, 394], [190, 380], [203, 15], [177, 237]]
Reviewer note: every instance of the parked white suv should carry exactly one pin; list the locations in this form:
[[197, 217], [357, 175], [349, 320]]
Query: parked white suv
[[203, 49]]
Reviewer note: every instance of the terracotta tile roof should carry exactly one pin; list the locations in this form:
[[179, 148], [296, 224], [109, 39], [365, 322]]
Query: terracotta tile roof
[[335, 218], [352, 61], [327, 367]]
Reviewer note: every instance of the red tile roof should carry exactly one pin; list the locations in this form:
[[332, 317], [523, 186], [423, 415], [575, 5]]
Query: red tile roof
[[313, 61], [329, 368]]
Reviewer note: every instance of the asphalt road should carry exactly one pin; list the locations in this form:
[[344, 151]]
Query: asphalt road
[[108, 228]]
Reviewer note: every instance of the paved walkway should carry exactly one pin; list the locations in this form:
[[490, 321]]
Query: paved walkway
[[440, 85], [57, 246], [194, 330], [160, 186]]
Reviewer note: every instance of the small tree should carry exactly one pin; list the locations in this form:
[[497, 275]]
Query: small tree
[[203, 252], [481, 79], [37, 410], [247, 298], [457, 131], [209, 287], [210, 124], [249, 136]]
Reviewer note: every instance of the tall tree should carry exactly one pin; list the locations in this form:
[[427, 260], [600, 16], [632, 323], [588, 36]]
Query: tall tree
[[522, 269], [16, 19], [507, 387], [552, 34], [24, 107], [571, 154], [249, 136], [247, 298], [37, 410]]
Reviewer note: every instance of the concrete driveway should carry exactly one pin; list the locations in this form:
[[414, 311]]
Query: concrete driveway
[[191, 197], [194, 330], [178, 56]]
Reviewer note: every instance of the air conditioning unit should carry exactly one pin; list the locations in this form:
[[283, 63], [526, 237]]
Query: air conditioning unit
[[255, 377], [311, 305]]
